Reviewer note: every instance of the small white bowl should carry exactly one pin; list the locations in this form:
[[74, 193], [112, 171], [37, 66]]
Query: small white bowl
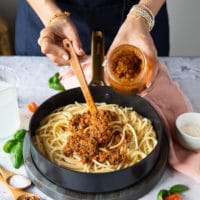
[[188, 130]]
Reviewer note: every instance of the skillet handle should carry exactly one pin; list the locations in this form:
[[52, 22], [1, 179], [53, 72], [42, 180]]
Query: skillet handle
[[97, 54]]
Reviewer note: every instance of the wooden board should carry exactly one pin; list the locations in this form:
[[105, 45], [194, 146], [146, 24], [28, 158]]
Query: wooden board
[[133, 192]]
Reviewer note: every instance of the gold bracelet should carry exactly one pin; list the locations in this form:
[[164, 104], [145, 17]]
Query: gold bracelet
[[143, 11], [66, 14]]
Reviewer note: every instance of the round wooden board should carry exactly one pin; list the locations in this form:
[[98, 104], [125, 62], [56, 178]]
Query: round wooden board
[[130, 193]]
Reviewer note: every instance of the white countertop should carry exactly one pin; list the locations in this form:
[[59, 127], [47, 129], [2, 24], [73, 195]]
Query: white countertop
[[34, 72]]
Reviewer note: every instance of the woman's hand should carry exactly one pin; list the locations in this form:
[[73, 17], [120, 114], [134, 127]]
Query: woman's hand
[[135, 31], [51, 40]]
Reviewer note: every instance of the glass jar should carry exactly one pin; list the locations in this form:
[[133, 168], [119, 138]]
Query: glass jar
[[128, 70], [9, 111]]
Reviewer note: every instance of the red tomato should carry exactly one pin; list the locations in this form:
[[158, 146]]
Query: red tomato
[[32, 107], [175, 196]]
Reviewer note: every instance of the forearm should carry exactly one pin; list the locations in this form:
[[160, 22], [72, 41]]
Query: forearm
[[45, 9], [153, 5]]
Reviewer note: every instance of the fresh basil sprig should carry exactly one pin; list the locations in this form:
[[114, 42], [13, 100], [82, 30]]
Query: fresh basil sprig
[[162, 193], [174, 189], [16, 155], [20, 134], [178, 188], [15, 148], [54, 82], [8, 145]]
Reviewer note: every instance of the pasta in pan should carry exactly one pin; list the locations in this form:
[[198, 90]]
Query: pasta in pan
[[66, 138]]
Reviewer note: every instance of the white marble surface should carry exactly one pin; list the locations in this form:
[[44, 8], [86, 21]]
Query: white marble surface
[[34, 72]]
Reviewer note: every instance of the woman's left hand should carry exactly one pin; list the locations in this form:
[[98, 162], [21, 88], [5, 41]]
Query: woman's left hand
[[135, 31]]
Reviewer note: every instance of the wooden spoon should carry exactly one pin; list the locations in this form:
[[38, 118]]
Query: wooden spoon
[[11, 178], [74, 62], [17, 193]]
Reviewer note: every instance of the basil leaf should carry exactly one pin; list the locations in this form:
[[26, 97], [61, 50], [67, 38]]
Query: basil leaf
[[54, 82], [8, 145], [56, 86], [55, 77], [162, 194], [16, 155], [20, 134], [178, 188]]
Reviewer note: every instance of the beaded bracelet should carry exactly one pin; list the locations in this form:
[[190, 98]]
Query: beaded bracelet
[[66, 14], [143, 11]]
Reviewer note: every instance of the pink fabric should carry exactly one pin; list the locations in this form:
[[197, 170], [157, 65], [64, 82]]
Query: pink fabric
[[68, 78], [169, 101]]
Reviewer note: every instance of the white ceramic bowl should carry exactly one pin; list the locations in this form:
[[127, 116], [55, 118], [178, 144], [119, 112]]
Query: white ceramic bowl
[[188, 130]]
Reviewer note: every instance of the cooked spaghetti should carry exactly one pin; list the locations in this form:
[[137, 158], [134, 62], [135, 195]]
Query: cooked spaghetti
[[113, 139]]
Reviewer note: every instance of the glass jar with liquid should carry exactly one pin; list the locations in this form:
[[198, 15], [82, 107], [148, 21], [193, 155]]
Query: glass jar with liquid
[[128, 70], [9, 111]]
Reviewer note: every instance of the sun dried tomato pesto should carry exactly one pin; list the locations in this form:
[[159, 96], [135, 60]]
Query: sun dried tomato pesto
[[29, 197], [90, 133], [128, 70], [126, 66]]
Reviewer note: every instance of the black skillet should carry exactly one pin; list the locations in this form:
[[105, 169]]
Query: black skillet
[[95, 182]]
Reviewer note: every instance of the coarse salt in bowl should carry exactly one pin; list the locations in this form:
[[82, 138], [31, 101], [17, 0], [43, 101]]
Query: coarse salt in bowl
[[188, 130]]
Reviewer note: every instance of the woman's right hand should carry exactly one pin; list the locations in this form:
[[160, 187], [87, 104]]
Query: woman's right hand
[[51, 40]]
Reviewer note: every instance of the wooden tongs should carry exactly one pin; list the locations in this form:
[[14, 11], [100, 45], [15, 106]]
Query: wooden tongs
[[97, 57]]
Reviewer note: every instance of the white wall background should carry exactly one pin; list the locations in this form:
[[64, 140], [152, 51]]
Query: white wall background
[[184, 19]]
